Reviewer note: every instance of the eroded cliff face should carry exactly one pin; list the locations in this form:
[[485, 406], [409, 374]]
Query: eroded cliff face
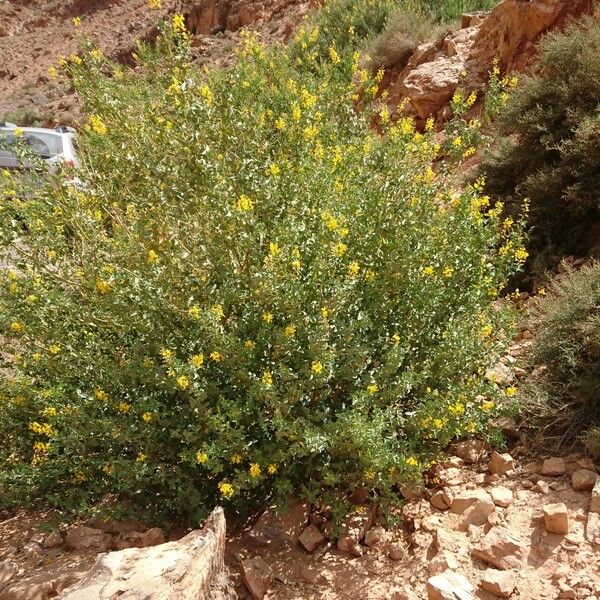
[[509, 33]]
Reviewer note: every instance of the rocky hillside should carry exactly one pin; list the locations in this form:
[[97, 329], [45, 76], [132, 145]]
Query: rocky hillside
[[34, 35]]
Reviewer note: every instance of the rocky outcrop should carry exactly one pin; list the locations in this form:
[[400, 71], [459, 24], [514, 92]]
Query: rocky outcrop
[[509, 33], [189, 569]]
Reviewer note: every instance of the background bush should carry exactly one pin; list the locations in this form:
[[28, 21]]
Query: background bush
[[564, 390], [246, 292], [550, 152]]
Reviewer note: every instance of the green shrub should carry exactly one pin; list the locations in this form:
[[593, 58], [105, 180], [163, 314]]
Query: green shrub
[[248, 292], [564, 390], [550, 151]]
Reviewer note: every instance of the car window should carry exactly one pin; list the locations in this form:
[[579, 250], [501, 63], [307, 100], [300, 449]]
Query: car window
[[44, 144]]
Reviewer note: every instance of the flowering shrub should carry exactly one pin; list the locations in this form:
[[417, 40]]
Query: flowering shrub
[[247, 291]]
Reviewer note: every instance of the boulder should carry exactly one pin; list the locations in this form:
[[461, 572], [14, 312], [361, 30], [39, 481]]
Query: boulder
[[188, 569], [556, 518], [478, 513], [471, 451], [462, 501], [500, 548], [583, 480], [88, 538], [501, 464], [135, 539], [442, 500], [553, 467], [449, 586], [354, 528], [257, 576], [501, 496], [375, 536], [499, 583], [311, 538], [441, 562]]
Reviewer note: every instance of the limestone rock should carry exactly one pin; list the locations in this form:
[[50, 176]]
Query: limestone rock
[[478, 513], [441, 500], [183, 570], [311, 538], [556, 518], [500, 548], [397, 551], [449, 586], [583, 480], [553, 467], [257, 576], [462, 501], [501, 463], [53, 540], [8, 569], [443, 561], [501, 496], [135, 539], [471, 451], [592, 528], [595, 502], [88, 538], [353, 530], [375, 536], [499, 583]]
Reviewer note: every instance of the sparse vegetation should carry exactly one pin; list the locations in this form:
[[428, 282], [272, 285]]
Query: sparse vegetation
[[564, 389]]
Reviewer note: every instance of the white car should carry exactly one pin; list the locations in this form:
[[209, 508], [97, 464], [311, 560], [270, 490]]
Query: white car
[[54, 146]]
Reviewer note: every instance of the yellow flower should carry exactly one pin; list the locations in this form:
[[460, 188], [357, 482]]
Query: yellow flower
[[317, 367], [340, 249], [32, 298], [141, 457], [18, 131], [207, 94], [166, 354], [334, 56], [183, 382], [217, 310], [324, 312], [438, 423], [244, 203], [201, 457], [216, 356], [471, 426], [76, 21], [49, 411], [194, 311], [101, 395], [457, 409], [235, 459], [395, 339], [250, 344], [274, 249], [267, 317], [296, 112], [271, 469], [97, 125], [488, 405], [54, 349], [373, 389], [52, 72], [447, 272], [353, 269], [521, 255], [96, 54], [36, 356], [154, 4], [289, 331], [280, 124], [147, 417], [274, 169], [412, 461], [267, 379], [487, 330], [428, 271], [511, 391], [152, 256], [107, 469], [197, 360], [296, 264], [226, 489], [17, 327], [178, 22], [102, 286], [124, 407], [254, 470]]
